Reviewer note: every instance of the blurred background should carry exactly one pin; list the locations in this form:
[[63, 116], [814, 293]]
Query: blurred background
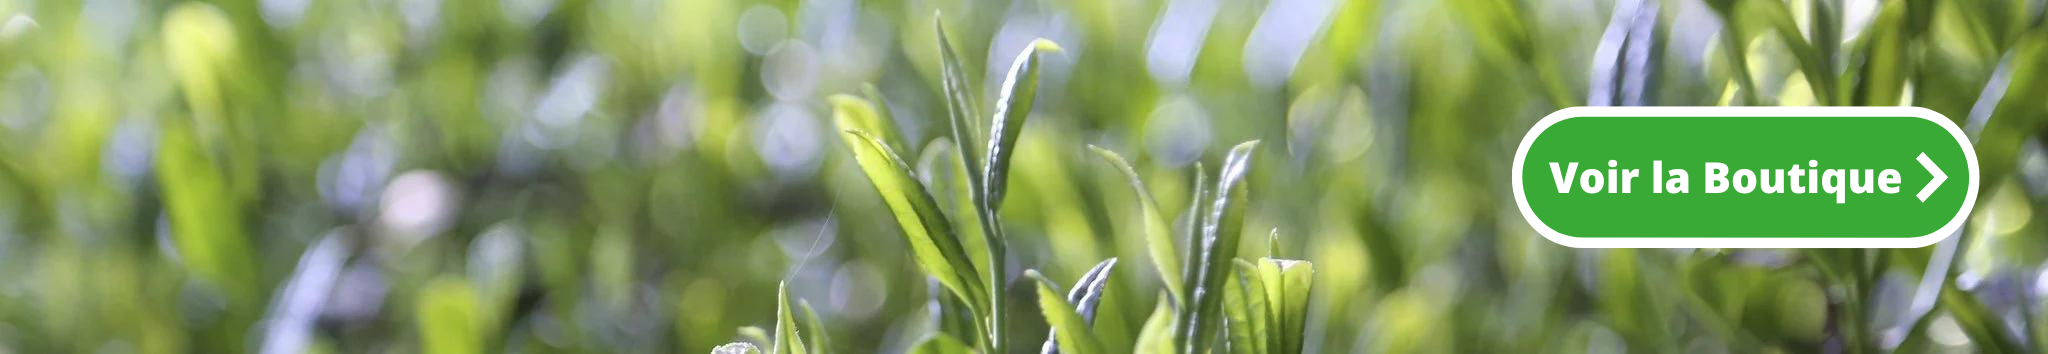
[[286, 176]]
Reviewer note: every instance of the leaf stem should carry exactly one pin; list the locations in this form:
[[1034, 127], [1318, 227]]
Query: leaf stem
[[991, 231]]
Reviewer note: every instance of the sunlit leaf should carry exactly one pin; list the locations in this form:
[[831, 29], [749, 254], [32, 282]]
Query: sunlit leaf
[[1159, 238], [756, 334], [956, 318], [1287, 285], [1244, 310], [1087, 292], [933, 244], [1020, 90], [883, 113], [1086, 296], [203, 215], [200, 46], [961, 112], [1191, 226], [1156, 337], [1072, 332], [788, 340], [449, 317], [1218, 247], [853, 112], [941, 344]]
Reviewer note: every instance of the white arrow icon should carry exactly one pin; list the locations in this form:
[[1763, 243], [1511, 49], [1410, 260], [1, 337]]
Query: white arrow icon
[[1938, 177]]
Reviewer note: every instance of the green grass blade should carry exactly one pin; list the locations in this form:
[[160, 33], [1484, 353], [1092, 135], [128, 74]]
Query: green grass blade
[[941, 344], [1071, 332], [1020, 90], [1159, 239], [1219, 243], [1287, 288], [1156, 337], [960, 105], [787, 339], [932, 242]]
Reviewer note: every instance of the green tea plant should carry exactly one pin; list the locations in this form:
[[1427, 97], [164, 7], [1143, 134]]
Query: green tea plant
[[1214, 302]]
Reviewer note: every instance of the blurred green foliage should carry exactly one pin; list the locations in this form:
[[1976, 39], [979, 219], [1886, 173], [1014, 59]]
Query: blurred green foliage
[[640, 175]]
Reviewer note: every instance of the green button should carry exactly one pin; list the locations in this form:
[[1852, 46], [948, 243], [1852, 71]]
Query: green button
[[1745, 177]]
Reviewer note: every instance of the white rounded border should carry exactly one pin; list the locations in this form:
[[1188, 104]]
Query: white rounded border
[[1954, 224]]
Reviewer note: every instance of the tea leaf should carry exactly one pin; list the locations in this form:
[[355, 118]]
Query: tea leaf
[[1218, 247], [1159, 237], [203, 214], [853, 112], [787, 339], [939, 167], [1020, 90], [817, 339], [1070, 330], [1157, 334], [937, 250], [1087, 293], [960, 106], [956, 318], [1196, 214], [756, 334], [200, 48], [1244, 308], [941, 344], [882, 111], [736, 348], [1086, 297], [449, 317], [1287, 288]]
